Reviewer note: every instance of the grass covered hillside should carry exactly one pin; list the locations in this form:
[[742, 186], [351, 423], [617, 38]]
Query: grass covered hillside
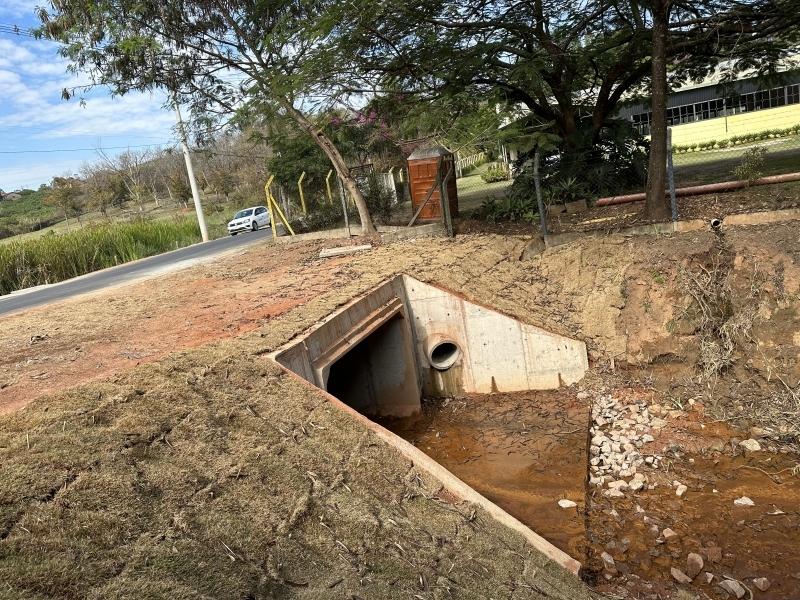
[[26, 214]]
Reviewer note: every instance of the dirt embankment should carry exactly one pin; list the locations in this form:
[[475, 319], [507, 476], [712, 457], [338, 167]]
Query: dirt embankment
[[208, 473]]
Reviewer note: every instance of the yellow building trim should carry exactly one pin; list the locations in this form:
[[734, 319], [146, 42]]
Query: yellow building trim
[[723, 128]]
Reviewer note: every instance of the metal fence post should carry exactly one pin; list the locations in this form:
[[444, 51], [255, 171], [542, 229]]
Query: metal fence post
[[328, 185], [538, 185], [444, 198], [302, 194], [671, 176], [344, 206]]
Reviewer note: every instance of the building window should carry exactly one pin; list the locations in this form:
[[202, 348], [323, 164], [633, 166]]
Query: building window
[[793, 94], [719, 107], [777, 97]]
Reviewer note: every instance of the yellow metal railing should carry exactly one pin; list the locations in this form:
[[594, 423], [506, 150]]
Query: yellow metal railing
[[273, 207]]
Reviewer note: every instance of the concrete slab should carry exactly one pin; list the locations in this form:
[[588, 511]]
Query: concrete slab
[[343, 250]]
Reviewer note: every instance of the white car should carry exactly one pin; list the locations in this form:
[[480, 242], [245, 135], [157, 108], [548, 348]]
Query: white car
[[249, 219]]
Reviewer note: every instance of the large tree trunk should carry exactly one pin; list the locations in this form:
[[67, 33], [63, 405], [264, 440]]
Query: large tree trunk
[[330, 150], [655, 203]]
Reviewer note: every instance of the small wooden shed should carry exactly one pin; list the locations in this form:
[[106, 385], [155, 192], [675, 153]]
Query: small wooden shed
[[423, 166]]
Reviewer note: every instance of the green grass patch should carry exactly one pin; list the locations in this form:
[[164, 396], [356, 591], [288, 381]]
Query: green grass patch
[[53, 258], [718, 166], [25, 214]]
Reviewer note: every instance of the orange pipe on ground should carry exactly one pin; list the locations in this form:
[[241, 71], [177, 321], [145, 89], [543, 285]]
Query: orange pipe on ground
[[699, 190]]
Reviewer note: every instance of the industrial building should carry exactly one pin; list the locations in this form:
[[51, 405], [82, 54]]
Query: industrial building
[[713, 109]]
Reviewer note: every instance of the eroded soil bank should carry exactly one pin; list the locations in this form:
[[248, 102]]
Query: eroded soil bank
[[158, 449]]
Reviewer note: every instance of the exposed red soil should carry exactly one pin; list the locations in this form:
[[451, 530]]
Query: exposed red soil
[[55, 347]]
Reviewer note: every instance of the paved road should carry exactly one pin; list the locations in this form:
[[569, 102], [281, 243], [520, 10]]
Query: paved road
[[128, 272]]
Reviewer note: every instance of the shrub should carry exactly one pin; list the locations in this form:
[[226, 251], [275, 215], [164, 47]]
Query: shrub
[[495, 173], [509, 209], [380, 200], [752, 164], [53, 258], [323, 215], [723, 144], [567, 190]]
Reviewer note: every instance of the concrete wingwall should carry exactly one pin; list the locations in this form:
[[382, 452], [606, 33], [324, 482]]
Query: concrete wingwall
[[497, 353]]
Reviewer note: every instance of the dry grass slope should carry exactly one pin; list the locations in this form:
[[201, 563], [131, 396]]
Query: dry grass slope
[[212, 475]]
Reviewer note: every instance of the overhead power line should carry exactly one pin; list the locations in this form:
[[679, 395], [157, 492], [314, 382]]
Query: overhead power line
[[50, 151], [17, 30]]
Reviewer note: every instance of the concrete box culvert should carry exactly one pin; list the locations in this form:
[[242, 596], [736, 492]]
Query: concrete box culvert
[[381, 353]]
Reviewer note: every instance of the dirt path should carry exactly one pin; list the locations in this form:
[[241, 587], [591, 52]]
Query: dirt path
[[52, 348]]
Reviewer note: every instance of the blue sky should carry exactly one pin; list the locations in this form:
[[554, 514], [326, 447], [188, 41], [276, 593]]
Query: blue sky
[[39, 132]]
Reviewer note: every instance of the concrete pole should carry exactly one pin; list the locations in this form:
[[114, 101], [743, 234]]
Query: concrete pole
[[198, 206]]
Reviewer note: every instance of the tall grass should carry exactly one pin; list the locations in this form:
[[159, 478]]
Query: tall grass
[[52, 258]]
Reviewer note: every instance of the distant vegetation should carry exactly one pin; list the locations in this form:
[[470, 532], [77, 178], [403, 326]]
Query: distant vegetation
[[25, 214], [53, 258]]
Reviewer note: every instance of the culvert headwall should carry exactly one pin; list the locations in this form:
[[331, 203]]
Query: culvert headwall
[[485, 351], [381, 352]]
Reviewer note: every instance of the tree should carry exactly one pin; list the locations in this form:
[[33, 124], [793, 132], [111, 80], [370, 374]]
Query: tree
[[131, 167], [104, 187], [65, 193], [568, 62], [225, 59], [655, 205]]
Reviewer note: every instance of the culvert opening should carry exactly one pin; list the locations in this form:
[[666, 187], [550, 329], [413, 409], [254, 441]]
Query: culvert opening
[[444, 355], [447, 375], [376, 375]]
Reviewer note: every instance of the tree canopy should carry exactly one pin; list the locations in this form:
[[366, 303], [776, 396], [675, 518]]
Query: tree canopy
[[569, 63], [222, 58]]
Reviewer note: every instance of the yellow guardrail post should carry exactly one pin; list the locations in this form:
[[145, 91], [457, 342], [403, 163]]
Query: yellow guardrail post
[[302, 195], [328, 185], [273, 207], [269, 206]]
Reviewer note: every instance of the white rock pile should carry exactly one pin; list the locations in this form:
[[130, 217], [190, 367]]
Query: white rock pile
[[619, 431]]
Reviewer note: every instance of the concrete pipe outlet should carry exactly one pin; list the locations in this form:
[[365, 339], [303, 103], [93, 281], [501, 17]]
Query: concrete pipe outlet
[[443, 353]]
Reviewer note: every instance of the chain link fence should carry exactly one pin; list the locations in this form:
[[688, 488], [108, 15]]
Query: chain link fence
[[750, 164], [759, 147], [716, 167]]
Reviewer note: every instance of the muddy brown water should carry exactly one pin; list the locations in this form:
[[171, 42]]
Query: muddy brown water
[[744, 543], [525, 451]]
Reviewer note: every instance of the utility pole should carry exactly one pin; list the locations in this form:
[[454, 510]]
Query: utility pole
[[198, 207]]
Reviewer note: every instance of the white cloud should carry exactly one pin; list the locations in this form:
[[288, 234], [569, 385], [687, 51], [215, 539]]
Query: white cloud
[[32, 174], [22, 57], [19, 8], [33, 115]]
